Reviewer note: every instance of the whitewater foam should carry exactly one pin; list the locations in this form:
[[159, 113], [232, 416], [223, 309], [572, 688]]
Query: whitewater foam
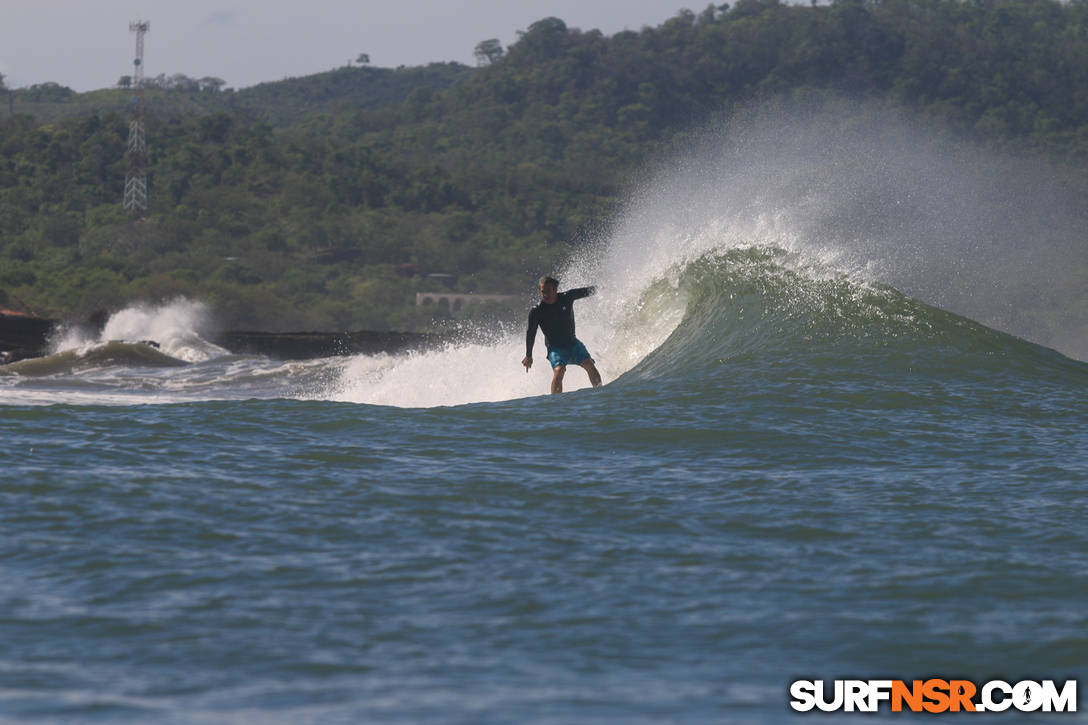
[[176, 328], [857, 192], [620, 325], [454, 375]]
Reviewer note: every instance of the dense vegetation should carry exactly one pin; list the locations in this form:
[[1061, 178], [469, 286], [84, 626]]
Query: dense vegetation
[[294, 204], [279, 104]]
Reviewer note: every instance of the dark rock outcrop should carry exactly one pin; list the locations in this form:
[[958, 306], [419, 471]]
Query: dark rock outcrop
[[22, 336]]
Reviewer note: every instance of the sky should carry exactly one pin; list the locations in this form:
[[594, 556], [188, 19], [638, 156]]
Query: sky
[[87, 45]]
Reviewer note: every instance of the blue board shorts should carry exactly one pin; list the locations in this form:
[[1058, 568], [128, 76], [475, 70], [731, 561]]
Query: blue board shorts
[[573, 355]]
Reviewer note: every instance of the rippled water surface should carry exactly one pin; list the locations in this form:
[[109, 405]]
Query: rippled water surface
[[877, 490]]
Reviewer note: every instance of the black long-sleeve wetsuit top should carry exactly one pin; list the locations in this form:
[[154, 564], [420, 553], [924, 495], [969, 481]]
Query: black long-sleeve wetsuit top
[[556, 320]]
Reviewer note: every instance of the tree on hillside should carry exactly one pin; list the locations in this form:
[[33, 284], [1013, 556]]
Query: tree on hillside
[[182, 82], [363, 59], [543, 40], [49, 92], [488, 51], [211, 83]]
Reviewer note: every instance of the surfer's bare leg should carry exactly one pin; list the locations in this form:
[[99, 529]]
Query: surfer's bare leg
[[594, 376], [557, 378]]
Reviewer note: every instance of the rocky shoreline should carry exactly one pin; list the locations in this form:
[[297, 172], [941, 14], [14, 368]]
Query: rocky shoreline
[[22, 336], [25, 336]]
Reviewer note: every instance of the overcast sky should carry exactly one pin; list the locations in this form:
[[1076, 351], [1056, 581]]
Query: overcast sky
[[86, 44]]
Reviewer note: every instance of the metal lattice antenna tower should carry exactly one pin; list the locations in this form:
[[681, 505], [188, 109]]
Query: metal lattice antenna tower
[[135, 200]]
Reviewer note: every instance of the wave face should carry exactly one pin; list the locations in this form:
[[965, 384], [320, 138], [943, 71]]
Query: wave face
[[755, 308]]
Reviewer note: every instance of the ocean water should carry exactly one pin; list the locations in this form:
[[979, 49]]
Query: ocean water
[[798, 468]]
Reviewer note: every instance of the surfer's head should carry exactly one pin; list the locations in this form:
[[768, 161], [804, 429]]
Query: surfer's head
[[549, 287]]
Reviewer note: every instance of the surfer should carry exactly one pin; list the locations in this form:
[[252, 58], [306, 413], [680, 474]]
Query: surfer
[[555, 316]]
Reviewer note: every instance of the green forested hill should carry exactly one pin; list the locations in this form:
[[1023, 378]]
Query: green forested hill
[[280, 103], [293, 203]]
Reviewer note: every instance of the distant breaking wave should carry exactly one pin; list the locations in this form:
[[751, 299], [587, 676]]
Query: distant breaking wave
[[175, 328]]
